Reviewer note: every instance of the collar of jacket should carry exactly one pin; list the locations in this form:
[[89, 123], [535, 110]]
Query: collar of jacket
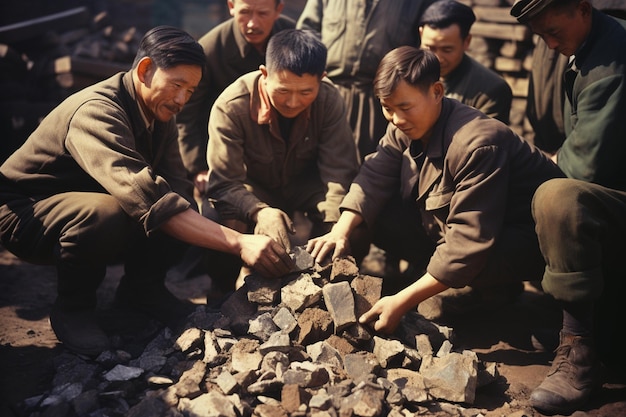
[[144, 139], [457, 74], [131, 104], [261, 109]]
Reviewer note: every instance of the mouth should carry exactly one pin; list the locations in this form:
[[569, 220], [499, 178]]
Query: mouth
[[173, 109]]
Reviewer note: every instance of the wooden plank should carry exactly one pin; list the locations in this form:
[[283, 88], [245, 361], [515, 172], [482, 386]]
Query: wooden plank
[[99, 69], [504, 64], [32, 28], [501, 31], [494, 14]]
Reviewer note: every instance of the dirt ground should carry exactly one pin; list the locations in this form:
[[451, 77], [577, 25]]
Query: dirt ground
[[28, 345]]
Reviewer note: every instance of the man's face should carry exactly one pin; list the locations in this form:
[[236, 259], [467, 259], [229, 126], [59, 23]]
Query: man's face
[[164, 92], [290, 94], [412, 110], [447, 44], [563, 30], [255, 19]]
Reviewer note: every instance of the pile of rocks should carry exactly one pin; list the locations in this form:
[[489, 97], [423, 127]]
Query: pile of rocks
[[290, 347]]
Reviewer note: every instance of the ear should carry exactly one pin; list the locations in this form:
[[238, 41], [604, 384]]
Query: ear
[[466, 41], [263, 69], [438, 90], [280, 7], [231, 8], [585, 8], [421, 31], [145, 70]]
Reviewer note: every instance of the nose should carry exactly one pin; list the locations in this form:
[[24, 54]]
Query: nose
[[181, 97], [551, 41], [252, 21], [292, 101], [396, 119]]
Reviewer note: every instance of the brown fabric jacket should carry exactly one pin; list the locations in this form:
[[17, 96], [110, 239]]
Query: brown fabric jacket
[[228, 57], [246, 143], [97, 141], [478, 177]]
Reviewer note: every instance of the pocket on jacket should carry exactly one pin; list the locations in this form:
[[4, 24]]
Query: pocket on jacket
[[438, 200]]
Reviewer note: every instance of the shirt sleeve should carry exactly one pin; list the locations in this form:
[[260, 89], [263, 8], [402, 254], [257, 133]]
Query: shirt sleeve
[[101, 141], [595, 148]]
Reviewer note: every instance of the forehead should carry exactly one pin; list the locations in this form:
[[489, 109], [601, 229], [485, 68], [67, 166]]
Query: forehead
[[287, 79], [183, 73], [254, 4], [550, 19], [402, 94], [452, 32]]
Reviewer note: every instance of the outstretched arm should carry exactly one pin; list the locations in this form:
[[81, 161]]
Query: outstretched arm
[[260, 252], [386, 314]]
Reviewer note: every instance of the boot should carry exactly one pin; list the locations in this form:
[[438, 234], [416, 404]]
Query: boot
[[574, 375], [155, 300], [78, 330]]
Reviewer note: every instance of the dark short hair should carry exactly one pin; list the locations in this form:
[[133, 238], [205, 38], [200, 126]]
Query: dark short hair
[[297, 51], [415, 66], [168, 47], [444, 13]]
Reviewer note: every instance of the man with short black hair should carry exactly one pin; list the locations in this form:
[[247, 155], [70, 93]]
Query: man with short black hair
[[280, 142], [448, 187], [445, 29], [101, 179], [232, 48]]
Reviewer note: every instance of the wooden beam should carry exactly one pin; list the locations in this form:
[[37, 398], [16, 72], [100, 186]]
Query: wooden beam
[[32, 28]]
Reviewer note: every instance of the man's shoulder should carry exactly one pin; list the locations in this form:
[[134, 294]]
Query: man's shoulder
[[481, 72], [217, 35], [328, 96], [458, 116], [284, 22], [240, 88]]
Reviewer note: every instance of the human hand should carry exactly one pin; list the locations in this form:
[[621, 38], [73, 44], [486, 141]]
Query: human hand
[[332, 242], [385, 314], [265, 255], [276, 224]]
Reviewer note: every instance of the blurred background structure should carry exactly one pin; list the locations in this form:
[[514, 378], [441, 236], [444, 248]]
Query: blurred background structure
[[50, 49]]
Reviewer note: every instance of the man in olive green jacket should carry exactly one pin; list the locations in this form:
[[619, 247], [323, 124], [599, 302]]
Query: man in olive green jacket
[[280, 143]]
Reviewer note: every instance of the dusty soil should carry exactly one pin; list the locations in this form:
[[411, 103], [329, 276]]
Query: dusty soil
[[28, 345]]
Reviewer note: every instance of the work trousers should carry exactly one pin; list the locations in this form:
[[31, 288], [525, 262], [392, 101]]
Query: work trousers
[[582, 233], [365, 115], [81, 233], [515, 256]]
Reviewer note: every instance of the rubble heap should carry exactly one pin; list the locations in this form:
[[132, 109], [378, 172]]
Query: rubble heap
[[290, 347]]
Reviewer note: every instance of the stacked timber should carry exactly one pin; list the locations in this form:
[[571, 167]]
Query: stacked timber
[[501, 43], [45, 58]]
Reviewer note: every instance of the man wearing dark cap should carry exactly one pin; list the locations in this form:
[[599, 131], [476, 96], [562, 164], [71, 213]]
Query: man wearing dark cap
[[581, 220]]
